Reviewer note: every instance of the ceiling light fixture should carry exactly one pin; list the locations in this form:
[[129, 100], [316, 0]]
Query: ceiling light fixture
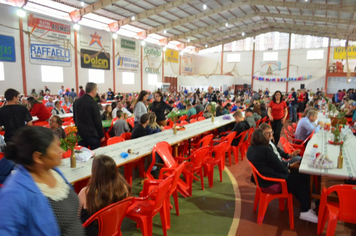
[[181, 53], [133, 18], [243, 33], [164, 49], [114, 36], [143, 43], [21, 13], [188, 40], [206, 45], [82, 3], [76, 27], [204, 6], [164, 31], [226, 24]]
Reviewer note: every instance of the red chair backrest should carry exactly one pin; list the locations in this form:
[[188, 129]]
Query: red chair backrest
[[294, 126], [160, 193], [50, 109], [114, 140], [286, 145], [205, 141], [201, 118], [291, 130], [126, 135], [110, 218], [347, 195], [2, 155], [164, 150], [219, 150], [242, 137], [200, 113], [184, 122], [183, 118], [198, 157], [229, 138], [192, 121], [131, 121], [193, 116]]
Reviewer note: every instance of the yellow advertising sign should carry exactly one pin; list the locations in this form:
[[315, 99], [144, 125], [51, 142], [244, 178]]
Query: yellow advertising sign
[[171, 55], [340, 53]]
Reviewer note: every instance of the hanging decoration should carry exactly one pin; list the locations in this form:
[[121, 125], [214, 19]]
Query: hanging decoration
[[301, 78]]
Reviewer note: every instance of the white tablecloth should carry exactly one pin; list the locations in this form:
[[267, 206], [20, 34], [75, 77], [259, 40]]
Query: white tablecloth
[[142, 145]]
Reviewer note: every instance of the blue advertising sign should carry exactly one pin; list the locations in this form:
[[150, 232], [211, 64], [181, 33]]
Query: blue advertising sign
[[49, 54], [7, 48]]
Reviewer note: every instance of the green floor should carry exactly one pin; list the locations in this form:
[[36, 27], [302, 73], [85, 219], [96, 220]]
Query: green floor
[[208, 212]]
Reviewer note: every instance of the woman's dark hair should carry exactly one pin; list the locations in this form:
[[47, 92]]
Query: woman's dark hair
[[58, 119], [140, 97], [113, 105], [274, 95], [257, 109], [106, 185], [160, 94], [128, 104], [108, 114], [227, 106], [258, 138], [56, 102], [32, 101], [262, 106], [26, 141]]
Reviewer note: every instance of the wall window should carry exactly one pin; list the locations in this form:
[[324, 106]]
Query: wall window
[[270, 56], [128, 78], [52, 74], [233, 57], [152, 79], [315, 54], [96, 76], [2, 71]]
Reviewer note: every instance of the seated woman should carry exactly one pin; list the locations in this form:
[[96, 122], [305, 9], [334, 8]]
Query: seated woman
[[38, 109], [58, 110], [107, 114], [55, 124], [226, 109], [266, 161], [39, 200], [106, 186], [152, 126], [263, 110], [207, 113], [219, 111]]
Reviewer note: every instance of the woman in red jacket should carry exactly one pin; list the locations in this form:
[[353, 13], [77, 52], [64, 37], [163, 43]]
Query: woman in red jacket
[[38, 109], [277, 113]]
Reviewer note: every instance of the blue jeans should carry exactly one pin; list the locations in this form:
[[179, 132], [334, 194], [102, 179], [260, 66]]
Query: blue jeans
[[294, 107], [290, 111]]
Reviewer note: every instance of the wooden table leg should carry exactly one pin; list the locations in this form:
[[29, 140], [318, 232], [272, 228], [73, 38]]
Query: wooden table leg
[[175, 150]]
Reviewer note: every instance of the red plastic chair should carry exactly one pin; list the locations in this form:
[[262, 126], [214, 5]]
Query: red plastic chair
[[210, 162], [126, 135], [50, 109], [194, 165], [229, 139], [114, 140], [164, 150], [345, 210], [183, 118], [264, 198], [247, 142], [167, 127], [204, 142], [183, 123], [110, 218], [131, 121], [200, 114], [107, 134], [200, 118], [240, 147], [291, 130], [303, 145], [191, 121], [143, 209], [291, 138], [286, 145], [194, 116], [294, 125]]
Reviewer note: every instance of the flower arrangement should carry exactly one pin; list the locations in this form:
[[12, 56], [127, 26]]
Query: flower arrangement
[[174, 116], [71, 139], [212, 107]]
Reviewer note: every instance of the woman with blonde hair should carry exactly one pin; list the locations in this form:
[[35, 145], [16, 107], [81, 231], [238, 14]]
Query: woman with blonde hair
[[106, 186], [152, 126]]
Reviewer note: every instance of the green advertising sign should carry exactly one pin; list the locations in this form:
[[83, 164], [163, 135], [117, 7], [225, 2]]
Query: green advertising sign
[[128, 44]]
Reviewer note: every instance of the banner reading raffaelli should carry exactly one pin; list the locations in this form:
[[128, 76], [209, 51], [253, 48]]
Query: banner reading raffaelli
[[49, 41], [152, 59], [94, 60]]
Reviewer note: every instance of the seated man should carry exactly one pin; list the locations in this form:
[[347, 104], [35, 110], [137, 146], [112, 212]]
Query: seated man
[[181, 105], [50, 102], [140, 129], [305, 125], [287, 159], [120, 126], [191, 110], [240, 126], [249, 117], [119, 106], [199, 107]]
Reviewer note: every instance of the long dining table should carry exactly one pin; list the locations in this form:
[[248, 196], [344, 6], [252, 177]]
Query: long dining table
[[348, 171], [141, 145]]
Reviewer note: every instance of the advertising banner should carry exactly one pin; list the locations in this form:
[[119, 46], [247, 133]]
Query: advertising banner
[[49, 41], [340, 53], [171, 56], [94, 60], [127, 46], [95, 39], [152, 59], [128, 63], [270, 68], [7, 48], [187, 64]]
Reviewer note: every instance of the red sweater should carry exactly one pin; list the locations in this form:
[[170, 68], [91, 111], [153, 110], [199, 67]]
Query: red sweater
[[40, 110]]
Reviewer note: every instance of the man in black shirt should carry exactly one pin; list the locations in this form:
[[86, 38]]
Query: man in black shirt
[[13, 116], [240, 126], [139, 129], [87, 118]]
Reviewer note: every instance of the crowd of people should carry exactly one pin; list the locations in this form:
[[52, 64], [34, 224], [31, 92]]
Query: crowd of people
[[38, 188]]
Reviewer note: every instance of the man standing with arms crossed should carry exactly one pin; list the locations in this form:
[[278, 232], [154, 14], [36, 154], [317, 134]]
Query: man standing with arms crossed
[[87, 118]]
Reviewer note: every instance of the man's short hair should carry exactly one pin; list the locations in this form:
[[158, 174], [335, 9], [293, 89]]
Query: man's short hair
[[81, 87], [264, 126], [312, 113], [119, 113], [249, 110], [237, 113], [292, 89], [10, 94], [72, 89], [144, 119], [90, 87]]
